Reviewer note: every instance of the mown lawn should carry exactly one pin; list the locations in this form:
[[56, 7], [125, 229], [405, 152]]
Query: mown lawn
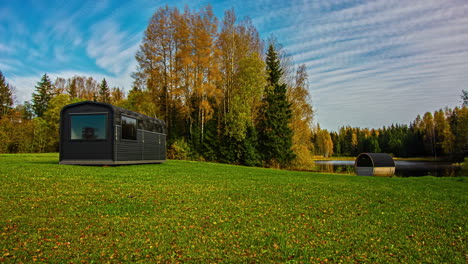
[[192, 212]]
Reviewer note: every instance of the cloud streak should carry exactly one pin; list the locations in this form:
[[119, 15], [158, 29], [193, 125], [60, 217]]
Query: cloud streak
[[112, 48], [370, 63], [75, 38], [368, 60]]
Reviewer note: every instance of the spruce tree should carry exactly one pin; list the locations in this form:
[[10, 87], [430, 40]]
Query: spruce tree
[[464, 97], [274, 133], [6, 96], [104, 92], [42, 96]]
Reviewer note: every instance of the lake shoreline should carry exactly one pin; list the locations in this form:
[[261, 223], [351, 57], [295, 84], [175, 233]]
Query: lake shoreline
[[428, 159], [403, 167]]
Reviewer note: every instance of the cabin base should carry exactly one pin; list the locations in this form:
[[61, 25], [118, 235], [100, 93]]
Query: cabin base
[[108, 162]]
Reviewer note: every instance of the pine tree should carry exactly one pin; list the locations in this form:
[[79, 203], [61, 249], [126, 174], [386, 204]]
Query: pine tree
[[42, 96], [6, 96], [104, 92], [459, 126], [274, 131], [464, 97]]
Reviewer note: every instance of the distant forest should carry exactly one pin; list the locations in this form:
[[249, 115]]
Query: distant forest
[[442, 135], [226, 96]]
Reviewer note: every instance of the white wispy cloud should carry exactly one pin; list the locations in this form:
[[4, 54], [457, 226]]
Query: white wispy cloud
[[67, 21], [67, 42], [371, 59], [4, 48], [370, 63], [112, 48]]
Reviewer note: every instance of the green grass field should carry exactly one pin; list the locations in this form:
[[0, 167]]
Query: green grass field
[[191, 212]]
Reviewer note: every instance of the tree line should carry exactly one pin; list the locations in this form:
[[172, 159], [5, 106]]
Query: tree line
[[221, 97], [34, 126], [225, 95], [442, 134]]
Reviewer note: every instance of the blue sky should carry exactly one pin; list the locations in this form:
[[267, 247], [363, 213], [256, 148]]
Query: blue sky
[[370, 63]]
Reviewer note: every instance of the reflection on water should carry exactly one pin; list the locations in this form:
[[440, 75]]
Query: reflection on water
[[402, 168]]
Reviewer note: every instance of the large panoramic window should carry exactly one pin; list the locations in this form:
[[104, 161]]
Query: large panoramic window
[[88, 127], [129, 128]]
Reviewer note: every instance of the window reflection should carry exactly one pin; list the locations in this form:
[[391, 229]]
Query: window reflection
[[129, 128], [88, 127]]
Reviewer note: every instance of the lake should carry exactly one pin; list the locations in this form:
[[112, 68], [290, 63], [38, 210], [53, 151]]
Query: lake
[[403, 168]]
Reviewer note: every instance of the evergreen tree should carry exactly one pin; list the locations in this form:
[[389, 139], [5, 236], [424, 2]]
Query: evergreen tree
[[104, 92], [274, 131], [464, 97], [42, 96], [6, 96], [459, 126]]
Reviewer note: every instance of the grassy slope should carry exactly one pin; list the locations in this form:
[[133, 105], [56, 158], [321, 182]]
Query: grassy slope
[[204, 212]]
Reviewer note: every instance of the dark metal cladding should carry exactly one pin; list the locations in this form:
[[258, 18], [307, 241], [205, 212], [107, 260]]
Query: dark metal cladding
[[100, 144], [374, 160], [85, 149], [144, 122]]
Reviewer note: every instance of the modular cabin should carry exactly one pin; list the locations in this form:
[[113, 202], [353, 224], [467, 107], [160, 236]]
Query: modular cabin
[[374, 164], [93, 133]]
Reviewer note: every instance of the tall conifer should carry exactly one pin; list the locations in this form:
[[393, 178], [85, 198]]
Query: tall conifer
[[464, 98], [104, 92], [6, 96], [274, 132], [42, 96]]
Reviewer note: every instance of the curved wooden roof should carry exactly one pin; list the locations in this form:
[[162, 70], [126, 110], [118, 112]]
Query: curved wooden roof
[[374, 160]]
